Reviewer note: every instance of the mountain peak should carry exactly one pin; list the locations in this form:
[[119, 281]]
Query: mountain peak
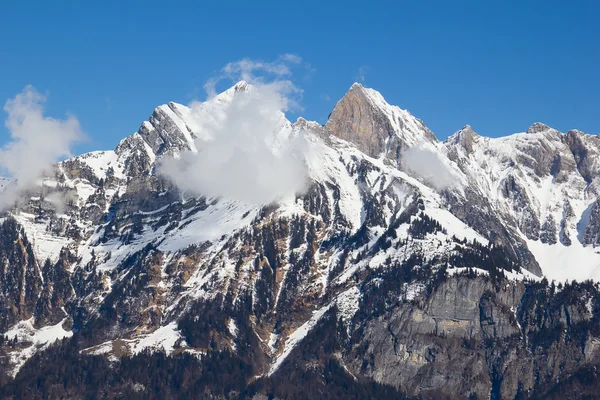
[[537, 127], [464, 137], [364, 118], [241, 86], [228, 95]]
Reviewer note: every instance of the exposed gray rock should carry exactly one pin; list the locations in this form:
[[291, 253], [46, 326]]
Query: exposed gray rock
[[537, 127], [359, 120], [355, 119], [591, 233], [20, 280], [464, 138]]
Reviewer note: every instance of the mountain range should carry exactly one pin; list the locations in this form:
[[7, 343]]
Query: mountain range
[[404, 267]]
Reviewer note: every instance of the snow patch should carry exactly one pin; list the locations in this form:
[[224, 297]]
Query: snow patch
[[565, 263], [40, 339], [296, 337], [164, 338], [232, 327]]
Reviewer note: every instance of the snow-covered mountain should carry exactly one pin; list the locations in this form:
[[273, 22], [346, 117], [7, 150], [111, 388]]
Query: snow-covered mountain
[[383, 242]]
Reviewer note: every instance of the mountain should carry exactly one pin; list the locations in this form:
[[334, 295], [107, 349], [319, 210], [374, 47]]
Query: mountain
[[408, 267]]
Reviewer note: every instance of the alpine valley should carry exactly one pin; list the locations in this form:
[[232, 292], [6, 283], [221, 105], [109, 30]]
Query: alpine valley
[[407, 268]]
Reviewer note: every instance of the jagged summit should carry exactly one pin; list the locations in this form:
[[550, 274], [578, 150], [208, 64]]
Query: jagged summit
[[241, 86], [537, 127], [173, 128], [364, 118], [464, 137], [227, 95]]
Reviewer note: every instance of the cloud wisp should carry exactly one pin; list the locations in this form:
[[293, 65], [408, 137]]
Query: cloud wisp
[[431, 167], [37, 142], [362, 72], [247, 150], [256, 72]]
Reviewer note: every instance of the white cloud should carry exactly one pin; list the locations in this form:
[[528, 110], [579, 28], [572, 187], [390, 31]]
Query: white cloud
[[431, 167], [362, 72], [243, 153], [37, 142], [254, 71]]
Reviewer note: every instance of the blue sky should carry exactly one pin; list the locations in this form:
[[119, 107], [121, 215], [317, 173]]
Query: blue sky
[[497, 65]]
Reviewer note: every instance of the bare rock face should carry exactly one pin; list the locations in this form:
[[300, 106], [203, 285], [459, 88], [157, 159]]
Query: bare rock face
[[586, 150], [473, 338], [591, 233], [548, 231], [139, 161], [465, 138], [356, 120], [20, 279], [364, 118], [163, 134], [529, 223]]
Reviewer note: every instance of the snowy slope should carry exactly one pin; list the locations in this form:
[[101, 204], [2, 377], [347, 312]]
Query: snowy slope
[[533, 181]]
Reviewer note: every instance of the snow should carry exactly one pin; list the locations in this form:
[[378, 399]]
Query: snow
[[164, 338], [492, 161], [100, 161], [566, 263], [211, 224], [101, 349], [513, 276], [297, 336], [223, 218], [273, 338], [232, 327], [412, 290], [328, 160], [324, 165], [45, 245], [348, 303], [454, 226], [583, 222], [25, 332], [40, 339]]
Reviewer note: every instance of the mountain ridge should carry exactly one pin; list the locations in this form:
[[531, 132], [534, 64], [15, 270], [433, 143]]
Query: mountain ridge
[[393, 222]]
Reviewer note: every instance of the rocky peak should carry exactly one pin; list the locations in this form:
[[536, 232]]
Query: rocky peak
[[241, 86], [537, 127], [170, 128], [464, 137], [364, 118], [303, 124], [228, 95], [167, 131], [574, 133], [356, 120]]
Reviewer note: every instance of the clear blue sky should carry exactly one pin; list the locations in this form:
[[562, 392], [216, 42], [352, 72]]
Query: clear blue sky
[[497, 65]]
